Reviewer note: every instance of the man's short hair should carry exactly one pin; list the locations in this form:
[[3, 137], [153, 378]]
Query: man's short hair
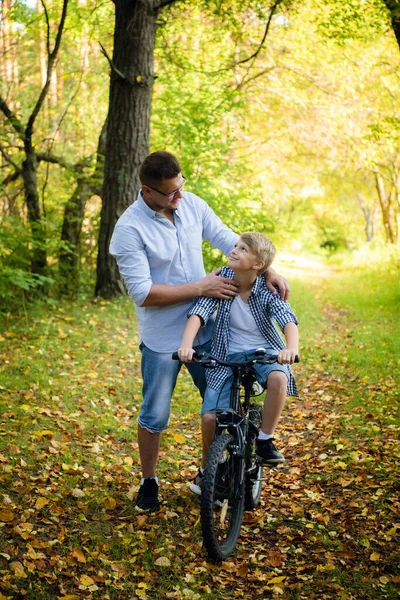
[[261, 247], [159, 166]]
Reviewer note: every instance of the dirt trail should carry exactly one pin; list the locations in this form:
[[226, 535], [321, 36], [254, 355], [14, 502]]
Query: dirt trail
[[327, 526]]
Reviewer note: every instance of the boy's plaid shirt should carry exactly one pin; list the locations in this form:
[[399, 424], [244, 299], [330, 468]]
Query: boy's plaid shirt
[[265, 308]]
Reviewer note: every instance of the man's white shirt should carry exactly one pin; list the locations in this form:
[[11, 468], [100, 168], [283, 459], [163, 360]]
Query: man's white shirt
[[149, 249]]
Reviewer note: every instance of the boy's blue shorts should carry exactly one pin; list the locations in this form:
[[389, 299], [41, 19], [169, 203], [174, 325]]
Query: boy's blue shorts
[[217, 399]]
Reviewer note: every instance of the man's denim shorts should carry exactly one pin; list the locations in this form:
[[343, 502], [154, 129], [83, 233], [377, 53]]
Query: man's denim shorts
[[159, 373], [216, 399]]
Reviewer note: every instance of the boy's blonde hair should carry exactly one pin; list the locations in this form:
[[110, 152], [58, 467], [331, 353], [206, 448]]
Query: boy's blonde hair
[[261, 247]]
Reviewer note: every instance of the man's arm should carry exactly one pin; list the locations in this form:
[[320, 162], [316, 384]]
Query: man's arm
[[272, 279], [129, 250], [210, 286]]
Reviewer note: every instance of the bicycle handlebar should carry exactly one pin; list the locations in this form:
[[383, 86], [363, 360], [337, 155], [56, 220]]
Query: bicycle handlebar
[[207, 360]]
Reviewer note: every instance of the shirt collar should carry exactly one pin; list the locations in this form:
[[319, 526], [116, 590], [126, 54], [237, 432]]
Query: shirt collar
[[145, 208], [149, 211], [257, 285], [256, 289]]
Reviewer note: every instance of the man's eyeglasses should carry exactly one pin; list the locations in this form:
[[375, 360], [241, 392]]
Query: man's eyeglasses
[[171, 194]]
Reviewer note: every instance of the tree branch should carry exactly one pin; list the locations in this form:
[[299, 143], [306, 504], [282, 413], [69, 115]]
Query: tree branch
[[12, 118], [8, 159], [55, 160], [113, 67], [240, 62], [11, 177], [46, 16], [50, 64], [271, 14]]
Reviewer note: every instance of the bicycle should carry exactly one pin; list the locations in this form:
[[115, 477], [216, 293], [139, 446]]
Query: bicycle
[[233, 474]]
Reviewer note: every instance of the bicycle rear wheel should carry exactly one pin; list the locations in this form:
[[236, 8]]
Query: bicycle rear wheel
[[254, 471], [222, 498]]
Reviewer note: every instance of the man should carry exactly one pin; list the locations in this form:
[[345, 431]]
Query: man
[[158, 246]]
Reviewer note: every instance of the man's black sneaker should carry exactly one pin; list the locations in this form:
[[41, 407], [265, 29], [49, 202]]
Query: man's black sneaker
[[196, 484], [147, 498], [267, 452]]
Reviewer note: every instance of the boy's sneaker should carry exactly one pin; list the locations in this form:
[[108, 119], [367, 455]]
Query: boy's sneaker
[[196, 484], [147, 498], [267, 452]]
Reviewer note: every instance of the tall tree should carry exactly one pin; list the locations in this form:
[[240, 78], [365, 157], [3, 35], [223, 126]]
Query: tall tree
[[128, 131], [28, 170]]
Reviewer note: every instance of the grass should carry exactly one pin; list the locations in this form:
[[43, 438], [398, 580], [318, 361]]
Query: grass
[[326, 527]]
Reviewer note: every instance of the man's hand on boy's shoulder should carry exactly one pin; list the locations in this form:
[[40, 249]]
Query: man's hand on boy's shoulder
[[273, 280], [214, 286]]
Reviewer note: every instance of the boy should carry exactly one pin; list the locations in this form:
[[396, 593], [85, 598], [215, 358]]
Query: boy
[[243, 324]]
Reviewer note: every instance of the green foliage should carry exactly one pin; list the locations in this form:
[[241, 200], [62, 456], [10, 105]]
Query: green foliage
[[286, 144], [16, 280], [343, 20]]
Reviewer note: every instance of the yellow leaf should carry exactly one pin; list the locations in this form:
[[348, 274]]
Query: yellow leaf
[[163, 561], [128, 460], [68, 597], [277, 579], [18, 569], [138, 78], [40, 502], [141, 519], [78, 554], [327, 567], [110, 502], [92, 375], [6, 516], [374, 556], [178, 437], [44, 433], [131, 493], [31, 553], [86, 580]]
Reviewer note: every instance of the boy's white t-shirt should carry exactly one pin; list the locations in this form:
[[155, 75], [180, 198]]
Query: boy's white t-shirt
[[243, 331]]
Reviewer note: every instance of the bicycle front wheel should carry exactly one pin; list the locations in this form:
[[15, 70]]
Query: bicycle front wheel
[[222, 498], [254, 471]]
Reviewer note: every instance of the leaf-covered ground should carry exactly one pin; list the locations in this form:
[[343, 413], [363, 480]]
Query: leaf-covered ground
[[328, 522]]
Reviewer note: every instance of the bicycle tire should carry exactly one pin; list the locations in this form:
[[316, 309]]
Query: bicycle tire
[[254, 471], [222, 499]]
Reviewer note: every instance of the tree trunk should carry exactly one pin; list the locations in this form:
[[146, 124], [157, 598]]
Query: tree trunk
[[87, 186], [29, 175], [394, 10], [385, 202], [128, 130]]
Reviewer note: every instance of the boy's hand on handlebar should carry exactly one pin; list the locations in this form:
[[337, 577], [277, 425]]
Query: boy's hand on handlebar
[[186, 354], [287, 356]]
